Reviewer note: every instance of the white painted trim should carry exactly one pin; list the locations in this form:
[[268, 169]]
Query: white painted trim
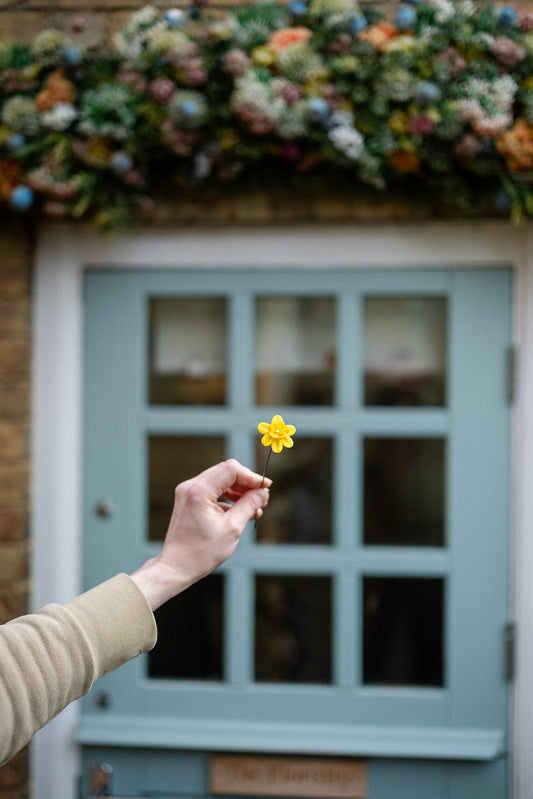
[[63, 253]]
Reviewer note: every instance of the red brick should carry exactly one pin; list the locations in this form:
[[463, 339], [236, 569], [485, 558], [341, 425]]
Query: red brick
[[13, 441], [14, 357], [14, 774], [14, 399], [13, 601], [13, 525], [14, 485], [13, 563]]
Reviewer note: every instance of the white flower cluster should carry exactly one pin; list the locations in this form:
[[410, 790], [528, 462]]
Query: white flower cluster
[[488, 104], [129, 40], [253, 98], [445, 9], [344, 136], [60, 116]]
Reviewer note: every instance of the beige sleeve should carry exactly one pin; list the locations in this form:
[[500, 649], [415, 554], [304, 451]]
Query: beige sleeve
[[50, 658]]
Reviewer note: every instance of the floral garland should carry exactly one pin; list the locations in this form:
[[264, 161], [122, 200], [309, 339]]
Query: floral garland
[[439, 95]]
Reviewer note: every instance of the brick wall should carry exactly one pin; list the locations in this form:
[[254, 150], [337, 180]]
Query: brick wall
[[15, 354]]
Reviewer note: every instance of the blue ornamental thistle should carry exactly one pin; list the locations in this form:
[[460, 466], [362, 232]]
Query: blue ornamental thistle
[[298, 8], [21, 198], [357, 24], [428, 92], [405, 17], [120, 162], [15, 142], [317, 110], [72, 55], [507, 16], [175, 17]]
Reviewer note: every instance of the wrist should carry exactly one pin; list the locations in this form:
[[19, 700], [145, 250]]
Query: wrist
[[158, 581]]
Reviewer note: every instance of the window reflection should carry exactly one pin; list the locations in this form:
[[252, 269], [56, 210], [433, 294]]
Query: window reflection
[[299, 510], [171, 460], [405, 351], [404, 491], [403, 631], [190, 634], [295, 350], [188, 351], [293, 629]]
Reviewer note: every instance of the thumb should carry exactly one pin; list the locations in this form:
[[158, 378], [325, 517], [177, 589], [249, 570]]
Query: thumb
[[246, 506]]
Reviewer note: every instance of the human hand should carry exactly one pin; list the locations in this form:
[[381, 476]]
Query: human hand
[[210, 513]]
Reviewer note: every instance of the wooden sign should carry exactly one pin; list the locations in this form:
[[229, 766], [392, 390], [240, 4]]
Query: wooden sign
[[305, 777]]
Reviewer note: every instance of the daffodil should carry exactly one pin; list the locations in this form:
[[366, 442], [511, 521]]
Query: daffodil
[[277, 434]]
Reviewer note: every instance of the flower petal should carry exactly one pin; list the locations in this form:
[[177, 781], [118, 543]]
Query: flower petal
[[287, 441], [266, 441], [277, 420], [277, 445], [290, 429], [263, 427]]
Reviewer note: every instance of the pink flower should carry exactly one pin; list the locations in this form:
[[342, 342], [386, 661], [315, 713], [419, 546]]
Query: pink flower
[[454, 60], [180, 54], [526, 20], [133, 78], [342, 44], [79, 23], [507, 52], [290, 92], [195, 74], [421, 125], [291, 152], [235, 62], [468, 147], [261, 126], [162, 90]]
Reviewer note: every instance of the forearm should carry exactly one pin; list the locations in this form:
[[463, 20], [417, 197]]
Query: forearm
[[50, 658]]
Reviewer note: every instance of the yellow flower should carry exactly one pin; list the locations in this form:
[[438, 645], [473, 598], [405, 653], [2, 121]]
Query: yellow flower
[[398, 122], [228, 138], [263, 56], [277, 434]]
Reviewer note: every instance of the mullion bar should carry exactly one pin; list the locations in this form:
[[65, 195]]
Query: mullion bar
[[241, 339], [238, 626], [349, 350], [346, 633]]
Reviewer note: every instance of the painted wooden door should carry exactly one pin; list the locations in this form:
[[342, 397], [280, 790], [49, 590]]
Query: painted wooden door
[[365, 616]]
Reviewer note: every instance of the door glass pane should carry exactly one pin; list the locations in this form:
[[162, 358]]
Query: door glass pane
[[171, 460], [293, 629], [190, 634], [188, 351], [295, 350], [404, 491], [405, 351], [403, 627], [299, 511]]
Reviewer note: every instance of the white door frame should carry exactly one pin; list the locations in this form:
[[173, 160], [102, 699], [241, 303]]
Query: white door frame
[[64, 251]]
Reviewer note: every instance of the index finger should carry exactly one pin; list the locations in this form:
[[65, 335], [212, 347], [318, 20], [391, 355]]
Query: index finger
[[231, 475]]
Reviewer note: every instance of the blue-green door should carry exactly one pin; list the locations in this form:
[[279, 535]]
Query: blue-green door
[[365, 617]]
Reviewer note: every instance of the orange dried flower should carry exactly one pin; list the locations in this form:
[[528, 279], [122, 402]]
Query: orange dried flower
[[405, 162], [9, 177], [516, 146], [57, 89], [379, 35], [288, 36]]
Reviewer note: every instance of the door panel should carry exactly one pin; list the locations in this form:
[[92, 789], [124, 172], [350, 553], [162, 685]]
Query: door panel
[[365, 614]]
